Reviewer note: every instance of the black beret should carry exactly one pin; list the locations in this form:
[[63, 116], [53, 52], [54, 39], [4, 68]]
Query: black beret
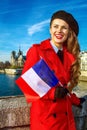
[[68, 18]]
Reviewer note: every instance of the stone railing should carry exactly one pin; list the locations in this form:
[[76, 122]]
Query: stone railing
[[14, 114]]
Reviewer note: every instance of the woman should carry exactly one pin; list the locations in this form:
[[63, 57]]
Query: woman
[[54, 110]]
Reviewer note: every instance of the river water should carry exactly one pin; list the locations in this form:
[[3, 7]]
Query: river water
[[9, 88]]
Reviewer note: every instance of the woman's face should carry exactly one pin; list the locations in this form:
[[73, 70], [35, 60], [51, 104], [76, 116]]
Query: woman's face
[[59, 31]]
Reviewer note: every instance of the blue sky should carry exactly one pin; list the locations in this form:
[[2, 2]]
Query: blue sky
[[25, 22]]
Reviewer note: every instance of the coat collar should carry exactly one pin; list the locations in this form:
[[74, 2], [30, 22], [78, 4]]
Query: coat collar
[[47, 45]]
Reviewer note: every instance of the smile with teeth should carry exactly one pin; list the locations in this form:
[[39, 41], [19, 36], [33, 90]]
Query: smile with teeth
[[59, 36]]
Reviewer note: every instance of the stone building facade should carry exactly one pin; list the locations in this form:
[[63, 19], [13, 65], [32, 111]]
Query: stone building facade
[[17, 60]]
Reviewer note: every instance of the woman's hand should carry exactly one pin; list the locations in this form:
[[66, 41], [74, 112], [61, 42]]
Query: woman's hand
[[60, 92]]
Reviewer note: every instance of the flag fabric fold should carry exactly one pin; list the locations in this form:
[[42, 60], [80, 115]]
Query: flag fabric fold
[[37, 81]]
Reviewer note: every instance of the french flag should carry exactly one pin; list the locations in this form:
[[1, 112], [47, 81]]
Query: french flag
[[37, 81]]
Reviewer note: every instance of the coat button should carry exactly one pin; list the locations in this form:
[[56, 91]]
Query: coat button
[[54, 100], [54, 115], [66, 113]]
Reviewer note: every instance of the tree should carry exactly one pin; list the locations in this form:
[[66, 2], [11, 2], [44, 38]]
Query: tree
[[2, 66], [7, 64]]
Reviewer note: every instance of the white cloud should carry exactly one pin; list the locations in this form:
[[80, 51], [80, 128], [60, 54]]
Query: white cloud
[[37, 27]]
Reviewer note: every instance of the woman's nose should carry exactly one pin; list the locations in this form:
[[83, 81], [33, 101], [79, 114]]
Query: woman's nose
[[59, 29]]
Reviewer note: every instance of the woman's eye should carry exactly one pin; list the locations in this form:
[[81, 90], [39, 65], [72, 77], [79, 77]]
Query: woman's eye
[[64, 27], [55, 26]]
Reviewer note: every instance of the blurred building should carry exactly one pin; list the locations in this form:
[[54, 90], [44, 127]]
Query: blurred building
[[84, 60], [17, 60]]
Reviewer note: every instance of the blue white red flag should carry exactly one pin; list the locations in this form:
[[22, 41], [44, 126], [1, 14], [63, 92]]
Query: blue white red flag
[[37, 81]]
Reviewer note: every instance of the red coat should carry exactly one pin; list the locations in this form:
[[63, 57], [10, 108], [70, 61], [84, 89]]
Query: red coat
[[47, 113]]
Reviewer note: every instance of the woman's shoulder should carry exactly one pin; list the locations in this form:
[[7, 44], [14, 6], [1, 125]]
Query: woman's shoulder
[[38, 46], [42, 45]]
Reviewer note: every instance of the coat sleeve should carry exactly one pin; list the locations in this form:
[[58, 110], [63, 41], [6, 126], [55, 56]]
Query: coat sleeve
[[74, 99]]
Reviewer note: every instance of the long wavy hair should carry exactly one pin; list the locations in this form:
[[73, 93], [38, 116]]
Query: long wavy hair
[[74, 48]]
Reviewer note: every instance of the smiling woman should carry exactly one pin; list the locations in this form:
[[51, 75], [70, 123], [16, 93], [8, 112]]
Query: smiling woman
[[23, 22], [59, 98]]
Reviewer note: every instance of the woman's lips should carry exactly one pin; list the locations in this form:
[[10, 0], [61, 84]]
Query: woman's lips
[[59, 36]]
